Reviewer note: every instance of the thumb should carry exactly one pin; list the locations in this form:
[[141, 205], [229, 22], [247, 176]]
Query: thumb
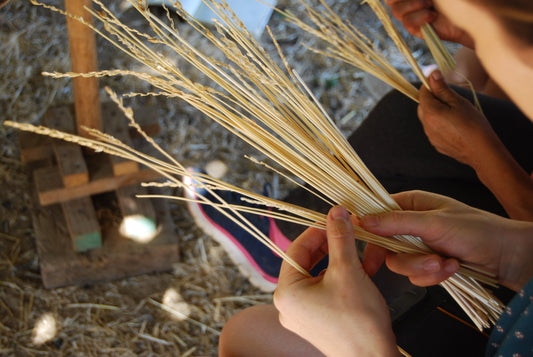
[[340, 235], [440, 89]]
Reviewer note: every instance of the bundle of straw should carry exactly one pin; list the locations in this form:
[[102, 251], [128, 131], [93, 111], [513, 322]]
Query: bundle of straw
[[275, 113], [350, 45]]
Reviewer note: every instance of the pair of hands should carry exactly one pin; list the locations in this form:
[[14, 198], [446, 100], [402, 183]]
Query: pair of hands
[[341, 311]]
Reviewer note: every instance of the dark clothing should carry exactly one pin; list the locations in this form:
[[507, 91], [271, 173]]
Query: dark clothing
[[392, 143], [513, 333]]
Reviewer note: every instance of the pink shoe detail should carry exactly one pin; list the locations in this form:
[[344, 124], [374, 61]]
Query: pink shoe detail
[[277, 237]]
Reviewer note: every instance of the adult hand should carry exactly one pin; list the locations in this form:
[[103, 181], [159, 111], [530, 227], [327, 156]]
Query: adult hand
[[457, 129], [341, 312], [496, 244], [452, 124], [415, 13]]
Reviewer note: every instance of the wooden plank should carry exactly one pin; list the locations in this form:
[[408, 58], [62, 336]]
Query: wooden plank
[[82, 224], [82, 43], [71, 164], [131, 205], [47, 179], [69, 156], [60, 118], [34, 147], [116, 125], [50, 188], [117, 258]]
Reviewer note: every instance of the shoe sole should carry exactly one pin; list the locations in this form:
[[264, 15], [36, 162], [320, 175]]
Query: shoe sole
[[237, 254]]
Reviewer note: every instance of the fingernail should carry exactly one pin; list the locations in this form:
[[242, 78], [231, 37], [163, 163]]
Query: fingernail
[[370, 221], [436, 75], [431, 265], [339, 212], [451, 266]]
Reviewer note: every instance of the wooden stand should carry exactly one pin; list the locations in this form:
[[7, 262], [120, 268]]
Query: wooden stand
[[75, 243]]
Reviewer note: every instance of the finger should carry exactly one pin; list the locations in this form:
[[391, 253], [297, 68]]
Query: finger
[[373, 258], [440, 89], [402, 222], [414, 20], [409, 264], [417, 200], [436, 278], [306, 250], [423, 270], [401, 8], [340, 235], [440, 96]]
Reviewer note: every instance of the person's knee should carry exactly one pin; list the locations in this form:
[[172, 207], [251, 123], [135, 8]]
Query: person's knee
[[230, 337], [241, 331]]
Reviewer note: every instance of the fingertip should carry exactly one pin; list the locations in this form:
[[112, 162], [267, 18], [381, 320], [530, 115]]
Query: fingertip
[[339, 213], [451, 266], [340, 237], [436, 75], [437, 82]]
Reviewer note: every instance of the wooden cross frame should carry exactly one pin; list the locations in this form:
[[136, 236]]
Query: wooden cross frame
[[73, 246]]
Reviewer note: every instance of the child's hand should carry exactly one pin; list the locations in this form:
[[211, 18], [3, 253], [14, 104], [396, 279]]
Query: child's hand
[[451, 228], [340, 312]]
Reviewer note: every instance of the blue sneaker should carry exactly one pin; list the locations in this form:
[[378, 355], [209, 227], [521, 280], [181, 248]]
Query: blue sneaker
[[254, 259]]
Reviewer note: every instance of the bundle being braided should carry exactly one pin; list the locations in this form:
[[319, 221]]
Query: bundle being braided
[[346, 43], [272, 110]]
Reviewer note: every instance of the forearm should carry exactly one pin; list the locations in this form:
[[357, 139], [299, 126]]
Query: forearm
[[506, 179]]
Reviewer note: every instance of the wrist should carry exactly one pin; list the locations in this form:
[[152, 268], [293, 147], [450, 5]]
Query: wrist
[[484, 143], [377, 339], [516, 266]]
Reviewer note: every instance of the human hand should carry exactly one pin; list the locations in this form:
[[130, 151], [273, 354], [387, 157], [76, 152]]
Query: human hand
[[341, 312], [452, 124], [495, 244], [415, 13]]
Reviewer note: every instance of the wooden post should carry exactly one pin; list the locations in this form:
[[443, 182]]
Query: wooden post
[[83, 58]]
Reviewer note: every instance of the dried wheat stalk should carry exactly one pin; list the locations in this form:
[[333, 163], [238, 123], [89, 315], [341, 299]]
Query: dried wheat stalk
[[348, 44], [275, 113]]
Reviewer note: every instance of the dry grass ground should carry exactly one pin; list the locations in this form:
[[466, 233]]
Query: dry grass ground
[[120, 318]]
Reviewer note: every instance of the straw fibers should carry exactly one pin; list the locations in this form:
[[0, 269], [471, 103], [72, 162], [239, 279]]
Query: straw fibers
[[267, 106], [123, 318]]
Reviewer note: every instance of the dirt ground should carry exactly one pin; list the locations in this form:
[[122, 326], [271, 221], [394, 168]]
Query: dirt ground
[[123, 318]]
